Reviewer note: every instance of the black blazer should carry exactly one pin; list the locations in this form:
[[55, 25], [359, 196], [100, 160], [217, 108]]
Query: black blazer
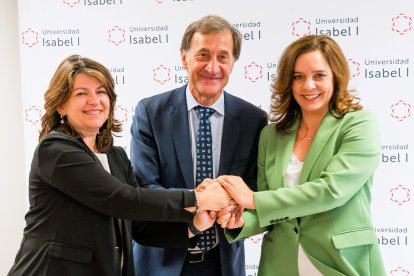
[[72, 226], [161, 137]]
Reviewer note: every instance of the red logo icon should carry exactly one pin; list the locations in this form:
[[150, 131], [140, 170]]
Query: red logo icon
[[399, 271], [116, 35], [400, 195], [121, 114], [161, 74], [253, 72], [402, 24], [401, 110], [33, 115], [301, 27], [30, 37], [354, 68], [71, 3]]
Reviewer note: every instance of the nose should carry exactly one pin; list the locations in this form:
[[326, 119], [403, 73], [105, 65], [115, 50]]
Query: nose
[[212, 66], [309, 84], [93, 98]]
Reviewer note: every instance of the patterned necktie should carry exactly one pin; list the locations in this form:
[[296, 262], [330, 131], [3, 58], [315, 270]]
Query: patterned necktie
[[205, 166]]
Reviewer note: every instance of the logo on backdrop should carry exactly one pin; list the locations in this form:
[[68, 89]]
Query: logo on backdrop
[[249, 30], [30, 37], [401, 110], [102, 2], [389, 68], [392, 236], [399, 271], [394, 153], [161, 74], [33, 115], [148, 35], [71, 3], [337, 27], [301, 27], [121, 114], [402, 24], [52, 37], [400, 195], [253, 72], [354, 68], [118, 73], [116, 35]]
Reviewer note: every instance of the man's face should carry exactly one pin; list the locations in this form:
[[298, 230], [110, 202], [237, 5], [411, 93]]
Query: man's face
[[209, 62]]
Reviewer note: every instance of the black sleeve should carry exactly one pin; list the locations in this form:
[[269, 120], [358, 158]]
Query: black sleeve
[[162, 234], [67, 165]]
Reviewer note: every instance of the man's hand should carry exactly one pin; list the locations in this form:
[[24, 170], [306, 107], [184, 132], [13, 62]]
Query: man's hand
[[214, 197]]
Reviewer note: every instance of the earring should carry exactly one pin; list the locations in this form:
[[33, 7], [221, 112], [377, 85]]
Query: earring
[[61, 119]]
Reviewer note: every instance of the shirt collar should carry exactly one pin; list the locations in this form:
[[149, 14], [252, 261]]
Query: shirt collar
[[218, 105]]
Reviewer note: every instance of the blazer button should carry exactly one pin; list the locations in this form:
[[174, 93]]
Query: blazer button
[[296, 230], [272, 221]]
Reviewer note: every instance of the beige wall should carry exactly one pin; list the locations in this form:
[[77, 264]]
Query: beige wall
[[12, 172]]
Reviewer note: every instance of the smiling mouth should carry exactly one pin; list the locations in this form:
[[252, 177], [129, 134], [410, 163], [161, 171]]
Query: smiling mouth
[[94, 112], [311, 97]]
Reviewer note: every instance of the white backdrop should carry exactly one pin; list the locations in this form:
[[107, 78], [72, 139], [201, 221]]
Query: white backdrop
[[139, 42]]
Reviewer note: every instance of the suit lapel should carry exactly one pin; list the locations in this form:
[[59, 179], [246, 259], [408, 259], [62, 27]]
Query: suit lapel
[[327, 128], [283, 152], [231, 134], [178, 116]]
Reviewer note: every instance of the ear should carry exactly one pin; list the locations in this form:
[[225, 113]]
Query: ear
[[61, 110], [184, 59]]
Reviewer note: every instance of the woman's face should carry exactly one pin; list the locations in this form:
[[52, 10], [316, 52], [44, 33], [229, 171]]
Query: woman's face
[[312, 83], [87, 108]]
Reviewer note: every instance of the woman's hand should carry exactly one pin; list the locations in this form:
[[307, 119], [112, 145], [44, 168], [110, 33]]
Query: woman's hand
[[238, 190], [231, 217]]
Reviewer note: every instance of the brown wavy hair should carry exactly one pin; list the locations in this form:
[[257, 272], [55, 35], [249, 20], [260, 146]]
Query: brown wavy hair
[[212, 24], [60, 89], [284, 110]]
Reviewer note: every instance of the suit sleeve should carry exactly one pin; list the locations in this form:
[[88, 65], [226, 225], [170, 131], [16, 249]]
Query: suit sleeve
[[66, 165], [144, 147], [250, 177], [162, 234]]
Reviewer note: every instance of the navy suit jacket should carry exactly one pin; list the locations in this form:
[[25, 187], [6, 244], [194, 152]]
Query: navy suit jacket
[[161, 158]]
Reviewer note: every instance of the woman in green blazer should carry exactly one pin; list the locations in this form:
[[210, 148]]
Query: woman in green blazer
[[315, 171]]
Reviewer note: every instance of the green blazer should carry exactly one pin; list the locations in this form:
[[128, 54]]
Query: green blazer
[[328, 213]]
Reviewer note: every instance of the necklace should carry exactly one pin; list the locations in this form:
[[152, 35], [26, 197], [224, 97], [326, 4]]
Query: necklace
[[307, 135]]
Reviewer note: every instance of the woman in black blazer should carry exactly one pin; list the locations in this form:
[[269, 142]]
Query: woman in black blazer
[[82, 190]]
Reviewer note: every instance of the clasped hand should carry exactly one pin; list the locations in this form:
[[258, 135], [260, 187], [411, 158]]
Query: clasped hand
[[224, 200]]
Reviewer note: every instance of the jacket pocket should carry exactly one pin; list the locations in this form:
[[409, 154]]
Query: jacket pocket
[[354, 238], [70, 253]]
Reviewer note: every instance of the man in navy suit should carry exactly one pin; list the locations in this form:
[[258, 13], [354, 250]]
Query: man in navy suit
[[163, 146]]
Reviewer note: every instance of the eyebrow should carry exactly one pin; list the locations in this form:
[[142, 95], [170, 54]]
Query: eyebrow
[[317, 71], [208, 50], [76, 88]]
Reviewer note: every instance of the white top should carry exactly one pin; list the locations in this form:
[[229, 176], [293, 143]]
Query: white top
[[104, 160], [294, 168]]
